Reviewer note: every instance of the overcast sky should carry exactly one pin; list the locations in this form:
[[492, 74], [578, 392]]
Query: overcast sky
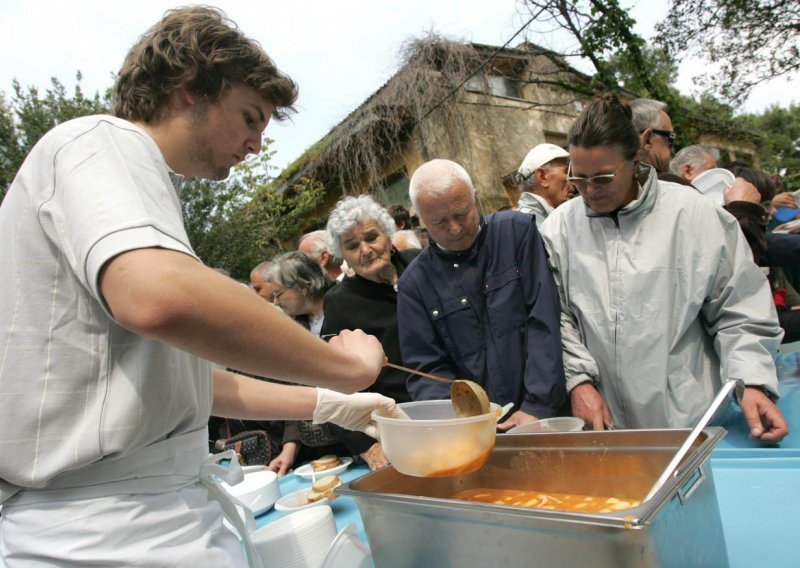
[[338, 52]]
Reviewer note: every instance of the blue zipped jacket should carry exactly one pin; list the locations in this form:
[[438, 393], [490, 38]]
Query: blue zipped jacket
[[489, 314]]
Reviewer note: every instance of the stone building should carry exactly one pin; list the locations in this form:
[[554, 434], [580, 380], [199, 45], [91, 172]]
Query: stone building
[[481, 106]]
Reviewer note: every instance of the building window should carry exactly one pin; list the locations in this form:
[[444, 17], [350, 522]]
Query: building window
[[396, 189], [495, 85]]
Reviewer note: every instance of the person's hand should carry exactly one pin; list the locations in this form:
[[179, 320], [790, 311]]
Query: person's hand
[[790, 228], [285, 459], [785, 199], [517, 419], [741, 190], [765, 420], [364, 347], [352, 411], [375, 457], [588, 405]]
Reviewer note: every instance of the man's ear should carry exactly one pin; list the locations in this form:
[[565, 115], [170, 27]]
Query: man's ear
[[324, 257], [540, 175], [686, 172], [646, 136], [182, 98]]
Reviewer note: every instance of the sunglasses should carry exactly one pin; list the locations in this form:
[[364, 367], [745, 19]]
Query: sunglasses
[[600, 179], [668, 134]]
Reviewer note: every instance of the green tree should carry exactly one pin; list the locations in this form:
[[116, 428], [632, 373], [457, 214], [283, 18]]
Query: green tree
[[11, 153], [779, 150], [750, 40], [660, 69], [603, 34], [236, 224]]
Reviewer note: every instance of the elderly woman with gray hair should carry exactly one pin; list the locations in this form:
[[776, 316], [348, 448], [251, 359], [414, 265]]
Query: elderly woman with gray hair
[[360, 231], [299, 285]]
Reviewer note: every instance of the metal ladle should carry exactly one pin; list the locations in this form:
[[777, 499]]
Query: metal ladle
[[468, 397]]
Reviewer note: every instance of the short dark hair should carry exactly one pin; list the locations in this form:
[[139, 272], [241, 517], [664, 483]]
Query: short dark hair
[[401, 216], [198, 48], [606, 121]]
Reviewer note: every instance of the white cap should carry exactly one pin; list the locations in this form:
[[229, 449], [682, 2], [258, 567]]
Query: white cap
[[539, 156]]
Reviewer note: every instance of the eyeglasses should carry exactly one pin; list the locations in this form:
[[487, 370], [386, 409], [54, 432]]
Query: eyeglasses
[[668, 134], [600, 179]]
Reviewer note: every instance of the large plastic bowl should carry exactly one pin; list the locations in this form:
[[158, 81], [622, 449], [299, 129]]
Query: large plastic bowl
[[434, 442]]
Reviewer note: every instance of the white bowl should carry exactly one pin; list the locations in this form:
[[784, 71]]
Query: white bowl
[[297, 501], [306, 472], [713, 183], [258, 491], [557, 424]]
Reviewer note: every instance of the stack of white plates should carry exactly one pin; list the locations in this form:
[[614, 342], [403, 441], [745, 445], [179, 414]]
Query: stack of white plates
[[299, 540]]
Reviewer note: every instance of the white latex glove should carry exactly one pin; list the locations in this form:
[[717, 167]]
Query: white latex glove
[[352, 411]]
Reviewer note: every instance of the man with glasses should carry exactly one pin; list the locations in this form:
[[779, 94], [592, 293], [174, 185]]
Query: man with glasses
[[542, 180], [656, 136], [661, 302]]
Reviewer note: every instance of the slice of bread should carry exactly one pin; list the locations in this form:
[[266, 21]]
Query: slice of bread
[[325, 462], [323, 487]]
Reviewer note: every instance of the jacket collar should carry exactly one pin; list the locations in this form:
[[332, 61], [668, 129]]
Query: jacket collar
[[464, 254], [530, 199]]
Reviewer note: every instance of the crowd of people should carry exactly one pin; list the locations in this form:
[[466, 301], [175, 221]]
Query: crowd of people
[[615, 292], [617, 306]]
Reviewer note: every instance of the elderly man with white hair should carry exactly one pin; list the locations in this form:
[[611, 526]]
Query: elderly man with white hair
[[315, 245], [693, 160], [542, 179], [480, 302]]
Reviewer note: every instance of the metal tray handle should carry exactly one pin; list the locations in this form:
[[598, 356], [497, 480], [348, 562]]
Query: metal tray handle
[[698, 477]]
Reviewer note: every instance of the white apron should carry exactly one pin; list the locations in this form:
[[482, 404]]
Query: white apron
[[159, 506]]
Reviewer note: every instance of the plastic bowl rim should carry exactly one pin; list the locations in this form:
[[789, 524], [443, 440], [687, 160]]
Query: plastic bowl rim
[[435, 421]]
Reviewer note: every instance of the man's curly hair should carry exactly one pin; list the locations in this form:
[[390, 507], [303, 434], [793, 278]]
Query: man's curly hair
[[200, 49]]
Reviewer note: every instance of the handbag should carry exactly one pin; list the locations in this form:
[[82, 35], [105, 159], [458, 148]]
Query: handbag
[[252, 447]]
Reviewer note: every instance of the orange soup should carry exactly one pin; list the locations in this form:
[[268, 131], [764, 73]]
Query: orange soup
[[542, 500]]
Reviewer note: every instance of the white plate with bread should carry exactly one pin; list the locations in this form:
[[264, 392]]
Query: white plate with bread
[[326, 465], [321, 493]]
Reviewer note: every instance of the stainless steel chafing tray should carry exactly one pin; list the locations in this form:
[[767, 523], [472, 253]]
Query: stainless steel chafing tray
[[413, 521]]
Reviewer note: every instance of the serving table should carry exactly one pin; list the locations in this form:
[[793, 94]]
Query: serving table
[[758, 490]]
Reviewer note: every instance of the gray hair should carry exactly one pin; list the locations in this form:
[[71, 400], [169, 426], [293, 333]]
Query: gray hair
[[262, 269], [646, 113], [436, 177], [694, 155], [319, 244], [299, 271], [351, 211]]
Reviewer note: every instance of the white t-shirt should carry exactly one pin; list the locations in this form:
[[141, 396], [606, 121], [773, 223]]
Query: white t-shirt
[[76, 387]]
